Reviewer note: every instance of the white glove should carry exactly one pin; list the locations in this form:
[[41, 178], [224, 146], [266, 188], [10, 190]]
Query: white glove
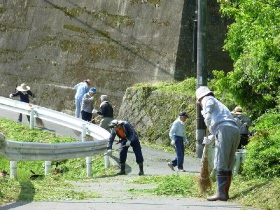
[[208, 118], [172, 142], [94, 111], [208, 140], [11, 95], [109, 152], [127, 143]]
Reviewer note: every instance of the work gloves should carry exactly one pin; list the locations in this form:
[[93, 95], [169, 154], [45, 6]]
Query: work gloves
[[11, 95], [127, 143], [94, 111], [172, 143], [208, 140]]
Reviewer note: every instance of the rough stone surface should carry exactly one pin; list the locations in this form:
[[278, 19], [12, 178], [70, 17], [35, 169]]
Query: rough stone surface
[[53, 44]]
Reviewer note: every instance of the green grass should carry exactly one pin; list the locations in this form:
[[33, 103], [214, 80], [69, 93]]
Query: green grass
[[50, 187], [261, 193]]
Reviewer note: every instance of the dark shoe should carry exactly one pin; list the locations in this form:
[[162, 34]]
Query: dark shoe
[[141, 171], [223, 184], [171, 166], [122, 171]]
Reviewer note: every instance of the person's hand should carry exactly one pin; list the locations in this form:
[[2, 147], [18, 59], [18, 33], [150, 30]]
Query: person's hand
[[172, 142], [94, 111], [11, 95], [109, 152], [187, 141], [208, 140], [127, 143]]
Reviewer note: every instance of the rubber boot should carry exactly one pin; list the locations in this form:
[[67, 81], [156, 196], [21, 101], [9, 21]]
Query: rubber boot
[[223, 184], [141, 172], [122, 171]]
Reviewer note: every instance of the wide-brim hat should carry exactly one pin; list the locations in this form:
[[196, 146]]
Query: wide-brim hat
[[238, 110], [23, 87], [201, 92]]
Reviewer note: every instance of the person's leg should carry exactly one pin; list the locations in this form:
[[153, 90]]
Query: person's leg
[[20, 117], [139, 156], [180, 152], [123, 156], [84, 115], [78, 108]]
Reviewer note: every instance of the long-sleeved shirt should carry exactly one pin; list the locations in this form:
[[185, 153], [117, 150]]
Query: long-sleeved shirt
[[23, 95], [106, 110], [87, 103], [81, 89], [129, 131], [177, 129], [219, 114]]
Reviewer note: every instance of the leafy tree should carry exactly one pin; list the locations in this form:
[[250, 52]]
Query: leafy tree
[[253, 41]]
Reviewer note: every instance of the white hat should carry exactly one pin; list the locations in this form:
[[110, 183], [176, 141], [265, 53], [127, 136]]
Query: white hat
[[238, 110], [23, 87], [201, 92]]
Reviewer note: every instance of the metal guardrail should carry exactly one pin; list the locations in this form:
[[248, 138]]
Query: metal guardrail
[[16, 150]]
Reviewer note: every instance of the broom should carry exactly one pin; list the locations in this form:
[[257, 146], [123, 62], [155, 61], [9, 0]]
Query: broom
[[204, 181]]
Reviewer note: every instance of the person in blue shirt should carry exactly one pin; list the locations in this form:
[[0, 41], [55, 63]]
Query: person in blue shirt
[[178, 136], [225, 132], [23, 91], [81, 89]]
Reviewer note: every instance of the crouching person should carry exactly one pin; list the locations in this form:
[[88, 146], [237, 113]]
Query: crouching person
[[127, 137]]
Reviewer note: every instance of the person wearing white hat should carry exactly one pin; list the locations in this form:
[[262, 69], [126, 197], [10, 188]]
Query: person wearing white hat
[[224, 130], [23, 91]]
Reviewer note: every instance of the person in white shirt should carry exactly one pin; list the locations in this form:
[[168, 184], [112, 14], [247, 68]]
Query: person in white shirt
[[224, 131]]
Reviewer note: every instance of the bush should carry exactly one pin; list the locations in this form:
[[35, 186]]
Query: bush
[[263, 157]]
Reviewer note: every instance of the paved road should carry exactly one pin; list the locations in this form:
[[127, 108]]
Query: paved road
[[114, 192]]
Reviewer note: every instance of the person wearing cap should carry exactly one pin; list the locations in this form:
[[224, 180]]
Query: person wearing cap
[[127, 137], [178, 136], [224, 131], [106, 112], [87, 104], [81, 89], [23, 91], [243, 123]]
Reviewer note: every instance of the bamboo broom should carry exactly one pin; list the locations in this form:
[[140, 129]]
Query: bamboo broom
[[204, 181]]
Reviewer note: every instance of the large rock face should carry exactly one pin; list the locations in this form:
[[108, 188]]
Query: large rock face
[[152, 113], [53, 44]]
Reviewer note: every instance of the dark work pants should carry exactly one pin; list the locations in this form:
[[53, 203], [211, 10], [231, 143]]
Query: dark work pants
[[136, 149], [244, 140], [20, 117], [86, 116], [179, 149]]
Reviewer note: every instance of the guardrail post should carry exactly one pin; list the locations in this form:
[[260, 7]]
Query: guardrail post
[[106, 159], [48, 165], [88, 159], [13, 169], [32, 117]]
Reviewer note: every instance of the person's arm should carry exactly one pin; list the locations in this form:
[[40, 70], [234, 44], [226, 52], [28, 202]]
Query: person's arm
[[130, 133], [111, 139], [173, 130]]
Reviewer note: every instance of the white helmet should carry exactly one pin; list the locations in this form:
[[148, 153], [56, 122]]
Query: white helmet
[[201, 92]]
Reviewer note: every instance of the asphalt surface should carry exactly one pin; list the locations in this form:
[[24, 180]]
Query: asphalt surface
[[114, 191]]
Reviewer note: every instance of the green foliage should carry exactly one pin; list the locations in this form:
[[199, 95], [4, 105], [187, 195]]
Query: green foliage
[[171, 185], [253, 43], [263, 157]]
